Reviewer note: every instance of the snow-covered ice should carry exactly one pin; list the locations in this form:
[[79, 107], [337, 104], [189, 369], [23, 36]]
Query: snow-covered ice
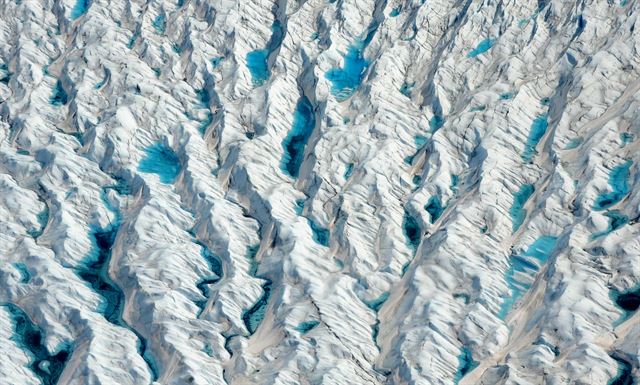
[[319, 192]]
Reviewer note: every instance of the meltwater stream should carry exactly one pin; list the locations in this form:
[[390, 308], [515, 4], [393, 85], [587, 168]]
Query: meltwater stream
[[215, 266], [47, 367], [346, 80], [523, 269], [517, 211], [258, 60], [95, 271], [253, 316], [59, 96], [619, 184], [162, 161], [294, 144]]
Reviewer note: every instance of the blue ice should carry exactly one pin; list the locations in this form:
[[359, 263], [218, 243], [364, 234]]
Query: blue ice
[[319, 234], [618, 181], [294, 144], [627, 301], [420, 140], [258, 66], [411, 230], [161, 160], [204, 100], [252, 251], [59, 96], [5, 76], [517, 211], [277, 36], [132, 40], [304, 327], [215, 62], [574, 143], [406, 89], [624, 376], [25, 276], [435, 123], [346, 80], [299, 206], [203, 97], [466, 364], [348, 171], [80, 8], [27, 335], [254, 316], [43, 219], [376, 304], [434, 208], [95, 271], [626, 138], [523, 269], [102, 82], [538, 129], [616, 221], [214, 264], [481, 48], [159, 23], [506, 95], [455, 181], [258, 60]]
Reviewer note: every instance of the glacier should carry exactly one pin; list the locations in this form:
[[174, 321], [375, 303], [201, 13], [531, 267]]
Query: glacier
[[319, 192]]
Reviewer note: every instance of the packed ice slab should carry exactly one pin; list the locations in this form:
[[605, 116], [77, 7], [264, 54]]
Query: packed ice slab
[[319, 192]]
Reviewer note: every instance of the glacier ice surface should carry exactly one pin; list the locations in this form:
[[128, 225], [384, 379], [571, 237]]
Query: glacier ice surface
[[319, 192]]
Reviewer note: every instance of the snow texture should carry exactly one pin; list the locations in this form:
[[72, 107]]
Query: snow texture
[[319, 192]]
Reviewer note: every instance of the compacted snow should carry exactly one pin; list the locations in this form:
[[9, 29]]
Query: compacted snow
[[319, 192]]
